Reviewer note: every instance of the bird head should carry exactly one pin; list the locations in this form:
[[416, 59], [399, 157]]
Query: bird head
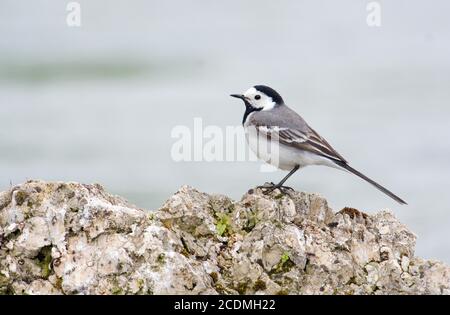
[[260, 97]]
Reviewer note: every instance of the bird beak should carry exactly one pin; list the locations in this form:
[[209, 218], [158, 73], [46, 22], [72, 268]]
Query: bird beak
[[242, 97]]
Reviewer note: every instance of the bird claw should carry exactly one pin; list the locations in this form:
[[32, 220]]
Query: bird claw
[[269, 187]]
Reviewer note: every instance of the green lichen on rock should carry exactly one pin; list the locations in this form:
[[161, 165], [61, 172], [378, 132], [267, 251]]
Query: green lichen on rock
[[161, 259], [242, 287], [4, 284], [214, 276], [285, 264], [20, 197], [259, 285], [117, 291], [223, 225], [43, 260], [58, 283], [284, 258], [141, 283], [279, 196], [251, 222]]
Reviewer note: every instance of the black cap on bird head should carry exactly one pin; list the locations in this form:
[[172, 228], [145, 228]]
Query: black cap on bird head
[[270, 92]]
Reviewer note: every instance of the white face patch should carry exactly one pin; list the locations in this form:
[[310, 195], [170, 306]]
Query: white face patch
[[259, 100]]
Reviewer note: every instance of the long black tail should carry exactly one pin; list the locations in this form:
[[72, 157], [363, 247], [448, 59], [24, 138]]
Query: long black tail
[[367, 179]]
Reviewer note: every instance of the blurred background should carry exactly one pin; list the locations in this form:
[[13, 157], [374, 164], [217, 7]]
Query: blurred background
[[97, 103]]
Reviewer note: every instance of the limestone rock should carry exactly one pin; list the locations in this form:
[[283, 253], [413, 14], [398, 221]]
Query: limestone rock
[[70, 238]]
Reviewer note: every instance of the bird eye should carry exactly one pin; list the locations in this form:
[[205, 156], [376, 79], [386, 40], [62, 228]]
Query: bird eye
[[257, 97]]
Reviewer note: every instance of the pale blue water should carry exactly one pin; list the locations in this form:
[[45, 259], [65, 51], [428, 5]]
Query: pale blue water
[[97, 103]]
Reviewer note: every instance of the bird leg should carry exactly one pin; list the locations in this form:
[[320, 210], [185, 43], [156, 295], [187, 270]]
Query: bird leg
[[269, 187]]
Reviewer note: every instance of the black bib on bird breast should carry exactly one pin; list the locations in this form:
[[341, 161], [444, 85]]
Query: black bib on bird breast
[[248, 110]]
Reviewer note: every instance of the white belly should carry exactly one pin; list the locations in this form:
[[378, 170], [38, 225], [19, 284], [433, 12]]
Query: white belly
[[282, 156]]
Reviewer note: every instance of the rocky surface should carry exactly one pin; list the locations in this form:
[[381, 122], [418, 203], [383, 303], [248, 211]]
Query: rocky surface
[[69, 238]]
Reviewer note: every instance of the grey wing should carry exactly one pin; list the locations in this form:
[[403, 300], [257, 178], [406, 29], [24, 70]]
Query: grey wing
[[293, 130], [308, 140], [322, 145]]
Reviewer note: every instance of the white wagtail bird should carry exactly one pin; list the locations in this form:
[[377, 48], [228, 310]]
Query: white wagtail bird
[[267, 119]]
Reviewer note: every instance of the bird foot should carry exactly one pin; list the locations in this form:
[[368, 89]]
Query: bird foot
[[267, 188]]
